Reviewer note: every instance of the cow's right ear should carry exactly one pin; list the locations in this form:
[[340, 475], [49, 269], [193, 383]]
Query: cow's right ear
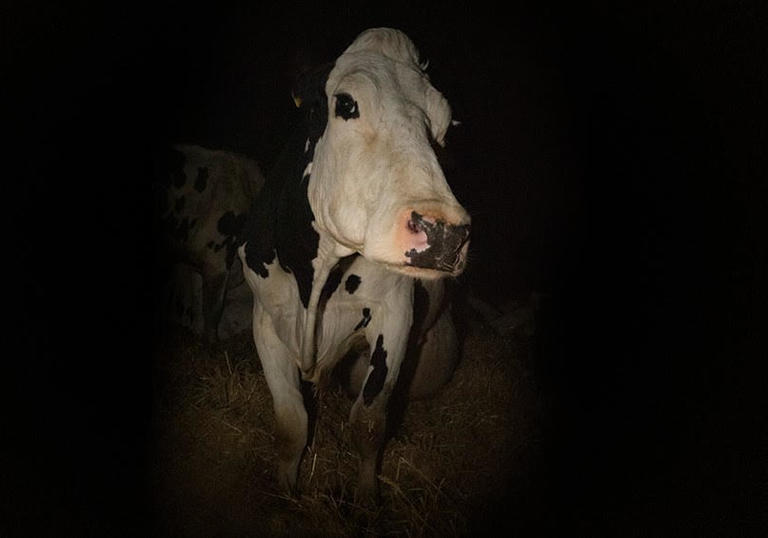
[[310, 85]]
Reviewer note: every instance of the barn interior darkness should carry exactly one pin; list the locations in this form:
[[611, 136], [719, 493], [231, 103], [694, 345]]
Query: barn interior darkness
[[612, 159]]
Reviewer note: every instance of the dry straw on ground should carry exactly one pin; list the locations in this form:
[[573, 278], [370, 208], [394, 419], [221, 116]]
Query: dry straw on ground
[[448, 461]]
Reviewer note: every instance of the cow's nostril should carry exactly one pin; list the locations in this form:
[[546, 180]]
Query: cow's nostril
[[413, 227]]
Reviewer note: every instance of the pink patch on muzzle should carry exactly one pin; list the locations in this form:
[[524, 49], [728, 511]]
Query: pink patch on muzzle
[[417, 240]]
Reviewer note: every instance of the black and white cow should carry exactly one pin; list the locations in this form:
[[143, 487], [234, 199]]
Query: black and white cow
[[356, 226], [203, 199]]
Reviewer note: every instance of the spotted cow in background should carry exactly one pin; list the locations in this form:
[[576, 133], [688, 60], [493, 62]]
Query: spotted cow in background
[[203, 198], [347, 247]]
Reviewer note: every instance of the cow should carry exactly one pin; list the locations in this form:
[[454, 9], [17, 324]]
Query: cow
[[354, 227], [203, 197]]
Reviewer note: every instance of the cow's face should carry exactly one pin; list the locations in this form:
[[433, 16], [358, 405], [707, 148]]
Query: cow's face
[[376, 186]]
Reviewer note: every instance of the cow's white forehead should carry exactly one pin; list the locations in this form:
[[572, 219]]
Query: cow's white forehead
[[388, 42], [385, 63]]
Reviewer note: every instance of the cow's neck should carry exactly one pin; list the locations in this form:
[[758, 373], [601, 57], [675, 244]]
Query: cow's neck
[[308, 252], [328, 254], [308, 255]]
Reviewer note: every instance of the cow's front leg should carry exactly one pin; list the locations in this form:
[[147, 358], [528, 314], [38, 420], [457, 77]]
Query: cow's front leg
[[388, 342], [282, 377]]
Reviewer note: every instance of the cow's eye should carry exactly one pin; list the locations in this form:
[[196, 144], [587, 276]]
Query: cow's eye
[[346, 107]]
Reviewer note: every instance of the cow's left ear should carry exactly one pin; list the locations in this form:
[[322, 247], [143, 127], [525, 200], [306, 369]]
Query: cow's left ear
[[438, 113], [310, 85]]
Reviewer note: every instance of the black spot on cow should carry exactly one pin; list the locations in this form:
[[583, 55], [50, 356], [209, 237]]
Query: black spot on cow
[[296, 240], [280, 222], [352, 283], [379, 373], [261, 269], [228, 224], [334, 277], [202, 178], [366, 319], [178, 207], [333, 281]]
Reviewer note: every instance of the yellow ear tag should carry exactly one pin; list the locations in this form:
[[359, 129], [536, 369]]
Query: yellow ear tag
[[296, 100]]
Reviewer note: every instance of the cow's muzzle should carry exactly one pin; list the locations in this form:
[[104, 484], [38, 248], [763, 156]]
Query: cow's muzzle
[[436, 244]]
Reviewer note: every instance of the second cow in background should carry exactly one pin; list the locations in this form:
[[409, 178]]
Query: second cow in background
[[203, 197]]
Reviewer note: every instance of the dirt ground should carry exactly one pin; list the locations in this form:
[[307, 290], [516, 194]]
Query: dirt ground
[[448, 464]]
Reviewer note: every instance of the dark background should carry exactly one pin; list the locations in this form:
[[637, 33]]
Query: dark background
[[613, 159]]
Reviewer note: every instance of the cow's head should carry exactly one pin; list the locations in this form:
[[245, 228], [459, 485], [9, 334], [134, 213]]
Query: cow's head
[[376, 186]]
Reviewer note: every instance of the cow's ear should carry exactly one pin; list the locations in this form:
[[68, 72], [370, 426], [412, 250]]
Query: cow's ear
[[309, 86], [438, 114]]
